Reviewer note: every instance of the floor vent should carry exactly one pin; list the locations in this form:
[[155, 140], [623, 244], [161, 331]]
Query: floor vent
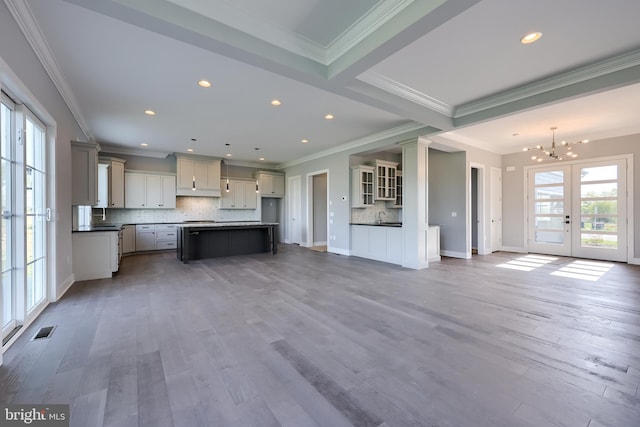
[[11, 335], [43, 333]]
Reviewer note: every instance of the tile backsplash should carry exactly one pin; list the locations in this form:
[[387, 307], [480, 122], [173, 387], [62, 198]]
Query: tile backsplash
[[187, 209], [370, 214]]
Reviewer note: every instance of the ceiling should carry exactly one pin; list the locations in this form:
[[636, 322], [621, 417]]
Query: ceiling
[[453, 70]]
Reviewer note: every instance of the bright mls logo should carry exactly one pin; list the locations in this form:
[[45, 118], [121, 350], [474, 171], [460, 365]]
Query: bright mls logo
[[35, 415]]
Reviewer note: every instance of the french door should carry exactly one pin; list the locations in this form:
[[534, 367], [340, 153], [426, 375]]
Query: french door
[[23, 222], [579, 209]]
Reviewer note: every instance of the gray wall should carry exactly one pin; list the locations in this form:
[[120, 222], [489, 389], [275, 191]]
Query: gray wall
[[320, 208], [339, 175], [17, 53], [513, 185], [447, 194]]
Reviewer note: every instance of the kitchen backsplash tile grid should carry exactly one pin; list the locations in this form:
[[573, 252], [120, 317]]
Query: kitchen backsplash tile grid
[[370, 214], [187, 209]]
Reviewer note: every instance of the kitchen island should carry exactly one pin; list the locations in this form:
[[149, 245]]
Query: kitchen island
[[218, 239]]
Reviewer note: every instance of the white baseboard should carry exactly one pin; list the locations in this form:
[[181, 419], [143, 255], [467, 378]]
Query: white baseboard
[[320, 243], [454, 254], [435, 258], [63, 287], [635, 261], [516, 249], [338, 251]]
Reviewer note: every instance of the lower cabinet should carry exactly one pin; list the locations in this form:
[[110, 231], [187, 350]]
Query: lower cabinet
[[377, 242], [151, 237], [128, 239], [95, 254]]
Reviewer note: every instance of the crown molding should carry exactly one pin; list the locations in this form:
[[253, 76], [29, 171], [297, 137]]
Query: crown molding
[[364, 27], [598, 69], [410, 94], [223, 13], [385, 134], [23, 16], [114, 149], [231, 16]]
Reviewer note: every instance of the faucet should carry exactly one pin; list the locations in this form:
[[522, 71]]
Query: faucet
[[379, 220]]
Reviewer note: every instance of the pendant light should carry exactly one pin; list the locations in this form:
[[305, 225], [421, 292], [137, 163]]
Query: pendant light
[[227, 163], [563, 151]]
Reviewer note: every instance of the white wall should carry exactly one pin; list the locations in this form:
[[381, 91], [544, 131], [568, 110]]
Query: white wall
[[513, 185], [20, 61]]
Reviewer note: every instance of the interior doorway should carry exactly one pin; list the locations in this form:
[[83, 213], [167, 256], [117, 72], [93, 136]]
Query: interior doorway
[[294, 227], [477, 242], [317, 210]]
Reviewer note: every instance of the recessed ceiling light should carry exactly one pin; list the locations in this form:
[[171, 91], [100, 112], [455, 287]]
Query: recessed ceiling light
[[531, 37], [150, 112], [261, 158], [228, 154], [190, 150], [304, 141], [329, 117], [204, 83], [144, 144], [276, 102]]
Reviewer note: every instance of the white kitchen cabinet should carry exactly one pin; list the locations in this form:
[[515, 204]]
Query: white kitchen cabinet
[[397, 202], [271, 184], [103, 186], [128, 239], [201, 172], [84, 173], [145, 237], [385, 177], [377, 242], [95, 254], [241, 195], [151, 237], [149, 191], [166, 236], [362, 186], [110, 182]]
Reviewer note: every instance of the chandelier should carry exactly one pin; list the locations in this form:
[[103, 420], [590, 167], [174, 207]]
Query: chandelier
[[562, 152]]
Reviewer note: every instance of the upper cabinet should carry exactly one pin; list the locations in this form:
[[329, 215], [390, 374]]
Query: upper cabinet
[[84, 173], [110, 182], [197, 176], [271, 184], [397, 203], [241, 195], [149, 191], [385, 176], [362, 186]]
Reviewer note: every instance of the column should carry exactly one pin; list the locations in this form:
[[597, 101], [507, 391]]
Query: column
[[415, 209]]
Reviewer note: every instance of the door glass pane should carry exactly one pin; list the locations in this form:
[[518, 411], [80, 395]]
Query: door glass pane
[[555, 237], [605, 241], [550, 177], [599, 223], [549, 207], [607, 189], [35, 221], [555, 192], [550, 223], [599, 207], [6, 191], [7, 299], [599, 173]]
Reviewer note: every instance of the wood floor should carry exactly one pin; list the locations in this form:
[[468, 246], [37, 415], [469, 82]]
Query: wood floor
[[306, 338]]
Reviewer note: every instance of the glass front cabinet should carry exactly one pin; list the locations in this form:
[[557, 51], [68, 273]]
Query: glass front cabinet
[[362, 186]]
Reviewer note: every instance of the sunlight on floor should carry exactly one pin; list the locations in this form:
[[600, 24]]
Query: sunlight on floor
[[527, 263], [585, 270]]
